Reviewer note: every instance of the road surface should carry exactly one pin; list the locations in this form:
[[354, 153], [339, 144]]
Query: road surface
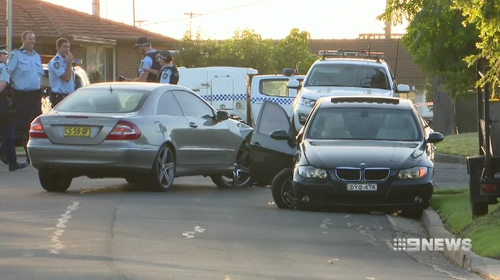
[[100, 229]]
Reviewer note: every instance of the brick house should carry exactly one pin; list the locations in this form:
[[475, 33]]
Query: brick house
[[104, 45]]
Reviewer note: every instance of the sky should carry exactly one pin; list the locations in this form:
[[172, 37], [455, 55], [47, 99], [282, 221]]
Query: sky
[[218, 19]]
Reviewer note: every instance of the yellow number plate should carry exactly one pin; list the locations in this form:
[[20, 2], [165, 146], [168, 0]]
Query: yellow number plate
[[76, 131]]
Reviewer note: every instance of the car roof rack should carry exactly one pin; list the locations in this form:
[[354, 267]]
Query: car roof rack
[[369, 54], [365, 99]]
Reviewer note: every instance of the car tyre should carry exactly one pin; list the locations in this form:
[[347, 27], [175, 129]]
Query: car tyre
[[281, 189], [54, 182], [163, 172], [242, 167]]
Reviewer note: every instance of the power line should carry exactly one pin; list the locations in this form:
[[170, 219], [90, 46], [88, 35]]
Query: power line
[[191, 14], [209, 13]]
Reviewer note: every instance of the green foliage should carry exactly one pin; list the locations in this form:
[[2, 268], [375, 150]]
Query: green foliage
[[446, 37], [248, 49], [485, 15], [437, 40]]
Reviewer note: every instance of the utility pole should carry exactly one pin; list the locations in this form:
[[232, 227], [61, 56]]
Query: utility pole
[[9, 26], [140, 21], [133, 11], [191, 14]]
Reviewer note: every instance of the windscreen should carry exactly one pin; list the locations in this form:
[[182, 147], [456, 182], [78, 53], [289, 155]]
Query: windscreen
[[102, 100], [364, 124], [348, 75]]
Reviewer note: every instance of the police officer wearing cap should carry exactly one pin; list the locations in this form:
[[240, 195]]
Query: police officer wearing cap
[[7, 114], [25, 66], [149, 67], [168, 73], [61, 74]]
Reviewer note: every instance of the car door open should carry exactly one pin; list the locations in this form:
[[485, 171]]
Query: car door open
[[269, 156]]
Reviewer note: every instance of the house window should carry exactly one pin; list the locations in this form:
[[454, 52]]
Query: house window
[[100, 63]]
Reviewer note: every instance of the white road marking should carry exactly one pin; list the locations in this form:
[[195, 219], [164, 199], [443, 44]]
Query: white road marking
[[326, 223], [190, 234], [55, 238]]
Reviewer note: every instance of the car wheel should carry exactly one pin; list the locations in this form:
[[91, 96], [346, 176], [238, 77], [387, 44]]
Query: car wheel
[[281, 189], [163, 172], [240, 178], [54, 182]]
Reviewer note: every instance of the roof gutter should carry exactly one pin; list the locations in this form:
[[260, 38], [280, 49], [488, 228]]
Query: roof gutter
[[92, 40]]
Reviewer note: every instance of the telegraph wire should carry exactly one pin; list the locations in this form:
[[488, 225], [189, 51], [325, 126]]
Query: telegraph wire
[[209, 13]]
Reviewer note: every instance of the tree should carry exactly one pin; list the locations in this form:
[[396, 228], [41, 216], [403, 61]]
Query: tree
[[437, 40], [485, 16], [294, 51], [248, 49]]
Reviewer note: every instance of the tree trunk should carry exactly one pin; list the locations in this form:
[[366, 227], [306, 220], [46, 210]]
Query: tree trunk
[[444, 110]]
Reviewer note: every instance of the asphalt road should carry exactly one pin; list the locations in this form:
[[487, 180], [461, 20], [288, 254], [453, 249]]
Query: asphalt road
[[100, 229]]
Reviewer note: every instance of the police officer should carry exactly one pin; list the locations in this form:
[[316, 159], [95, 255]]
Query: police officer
[[25, 66], [149, 67], [168, 73], [7, 111], [61, 74]]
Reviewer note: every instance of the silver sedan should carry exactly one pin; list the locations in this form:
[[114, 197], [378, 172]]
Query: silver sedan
[[144, 132]]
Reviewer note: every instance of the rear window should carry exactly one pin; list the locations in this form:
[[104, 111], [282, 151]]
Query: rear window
[[348, 75], [94, 100]]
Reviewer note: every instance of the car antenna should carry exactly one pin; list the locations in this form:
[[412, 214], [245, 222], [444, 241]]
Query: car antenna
[[111, 89]]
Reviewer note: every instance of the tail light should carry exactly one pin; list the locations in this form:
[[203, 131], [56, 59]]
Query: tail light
[[36, 129], [489, 187], [124, 130]]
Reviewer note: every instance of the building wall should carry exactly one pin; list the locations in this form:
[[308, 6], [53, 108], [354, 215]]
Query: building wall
[[127, 61]]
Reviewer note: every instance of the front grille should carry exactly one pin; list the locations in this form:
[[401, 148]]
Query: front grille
[[376, 174], [348, 174]]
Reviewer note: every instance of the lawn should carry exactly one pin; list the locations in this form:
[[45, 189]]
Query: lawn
[[454, 209], [465, 144]]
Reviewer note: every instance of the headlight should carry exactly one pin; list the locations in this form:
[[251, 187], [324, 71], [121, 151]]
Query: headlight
[[312, 172], [307, 102], [413, 173]]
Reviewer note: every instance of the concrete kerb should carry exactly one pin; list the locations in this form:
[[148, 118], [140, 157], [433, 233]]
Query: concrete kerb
[[450, 159], [485, 267]]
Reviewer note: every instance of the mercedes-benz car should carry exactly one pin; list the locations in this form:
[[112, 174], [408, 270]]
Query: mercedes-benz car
[[343, 73], [365, 151], [146, 133]]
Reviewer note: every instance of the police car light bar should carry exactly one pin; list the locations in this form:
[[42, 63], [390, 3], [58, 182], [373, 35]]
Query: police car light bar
[[350, 53], [367, 99]]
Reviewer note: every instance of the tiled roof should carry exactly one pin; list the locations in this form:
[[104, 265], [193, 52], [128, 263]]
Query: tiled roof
[[50, 20], [406, 71]]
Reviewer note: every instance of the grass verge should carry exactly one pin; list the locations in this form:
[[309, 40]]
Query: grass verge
[[465, 144], [453, 207]]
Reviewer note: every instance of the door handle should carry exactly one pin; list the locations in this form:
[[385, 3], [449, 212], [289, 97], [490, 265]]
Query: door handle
[[257, 144], [193, 125]]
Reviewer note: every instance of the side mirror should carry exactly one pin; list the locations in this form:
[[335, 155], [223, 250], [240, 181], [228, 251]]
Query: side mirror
[[435, 137], [293, 84], [280, 135], [403, 89], [222, 115]]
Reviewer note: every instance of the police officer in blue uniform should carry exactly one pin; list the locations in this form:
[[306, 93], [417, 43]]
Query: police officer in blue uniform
[[25, 66], [149, 67], [168, 73], [61, 74], [7, 114]]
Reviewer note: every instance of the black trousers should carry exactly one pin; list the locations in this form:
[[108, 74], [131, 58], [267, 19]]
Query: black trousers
[[55, 98]]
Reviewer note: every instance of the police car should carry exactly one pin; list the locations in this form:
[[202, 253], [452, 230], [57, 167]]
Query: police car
[[343, 73]]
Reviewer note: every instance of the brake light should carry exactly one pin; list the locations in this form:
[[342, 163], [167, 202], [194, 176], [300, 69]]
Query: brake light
[[489, 187], [124, 131], [36, 129]]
